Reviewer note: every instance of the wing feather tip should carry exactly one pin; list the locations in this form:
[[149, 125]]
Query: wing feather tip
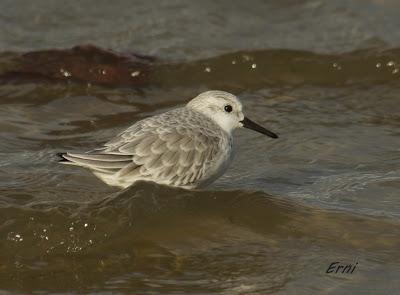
[[61, 158]]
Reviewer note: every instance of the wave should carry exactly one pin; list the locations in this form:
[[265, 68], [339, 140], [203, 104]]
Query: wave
[[249, 69], [150, 233]]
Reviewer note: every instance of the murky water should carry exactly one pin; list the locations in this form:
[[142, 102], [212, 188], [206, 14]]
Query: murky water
[[323, 74]]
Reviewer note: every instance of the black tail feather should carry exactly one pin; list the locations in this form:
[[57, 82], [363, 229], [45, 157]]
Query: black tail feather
[[62, 159]]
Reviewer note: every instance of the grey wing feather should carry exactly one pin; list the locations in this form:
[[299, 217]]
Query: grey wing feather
[[159, 148], [101, 162], [170, 156]]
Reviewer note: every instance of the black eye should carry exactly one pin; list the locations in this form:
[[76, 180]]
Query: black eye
[[228, 108]]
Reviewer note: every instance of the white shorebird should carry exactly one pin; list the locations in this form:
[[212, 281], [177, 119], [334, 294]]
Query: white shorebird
[[187, 147]]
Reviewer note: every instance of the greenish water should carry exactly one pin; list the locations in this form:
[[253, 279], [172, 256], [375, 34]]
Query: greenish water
[[322, 74]]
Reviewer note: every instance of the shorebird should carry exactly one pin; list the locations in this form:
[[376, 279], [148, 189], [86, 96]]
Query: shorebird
[[187, 147]]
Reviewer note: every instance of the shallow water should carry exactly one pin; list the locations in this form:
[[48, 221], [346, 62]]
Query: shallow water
[[323, 75]]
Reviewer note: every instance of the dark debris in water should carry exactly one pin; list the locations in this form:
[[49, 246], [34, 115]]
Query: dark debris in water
[[84, 63]]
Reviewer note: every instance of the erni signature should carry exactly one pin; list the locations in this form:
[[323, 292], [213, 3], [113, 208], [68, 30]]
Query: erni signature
[[337, 267]]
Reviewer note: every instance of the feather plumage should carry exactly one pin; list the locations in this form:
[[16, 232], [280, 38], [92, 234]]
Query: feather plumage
[[160, 148]]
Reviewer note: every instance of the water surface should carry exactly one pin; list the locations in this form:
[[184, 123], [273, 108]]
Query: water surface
[[324, 75]]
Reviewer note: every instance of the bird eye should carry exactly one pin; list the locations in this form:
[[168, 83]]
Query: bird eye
[[228, 108]]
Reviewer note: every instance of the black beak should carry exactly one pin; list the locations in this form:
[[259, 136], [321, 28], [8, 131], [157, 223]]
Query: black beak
[[247, 123]]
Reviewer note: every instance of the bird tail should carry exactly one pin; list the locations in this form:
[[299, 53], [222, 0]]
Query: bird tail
[[107, 163], [62, 159]]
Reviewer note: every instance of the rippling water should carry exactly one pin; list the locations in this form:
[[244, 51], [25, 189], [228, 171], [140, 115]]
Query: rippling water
[[323, 75]]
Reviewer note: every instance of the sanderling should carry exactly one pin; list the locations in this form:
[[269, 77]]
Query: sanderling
[[188, 147]]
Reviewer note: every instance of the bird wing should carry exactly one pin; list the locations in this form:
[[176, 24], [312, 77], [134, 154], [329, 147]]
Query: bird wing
[[168, 148]]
